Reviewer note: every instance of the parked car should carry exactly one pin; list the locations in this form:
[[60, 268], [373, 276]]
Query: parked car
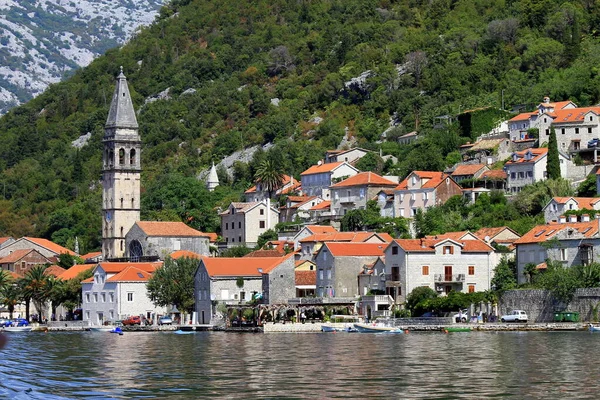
[[20, 322], [462, 316], [593, 143], [166, 320], [515, 316], [133, 320], [5, 322]]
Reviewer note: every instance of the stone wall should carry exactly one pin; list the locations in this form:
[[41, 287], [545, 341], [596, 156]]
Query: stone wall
[[540, 305]]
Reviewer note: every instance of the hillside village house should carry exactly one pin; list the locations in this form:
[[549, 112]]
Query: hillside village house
[[309, 230], [349, 156], [258, 192], [519, 125], [317, 179], [45, 247], [468, 171], [21, 261], [502, 235], [306, 278], [321, 213], [217, 280], [354, 192], [243, 223], [371, 280], [574, 127], [116, 291], [161, 238], [529, 166], [298, 208], [421, 190], [385, 202], [310, 245], [338, 265], [442, 264], [558, 206], [577, 243], [5, 241]]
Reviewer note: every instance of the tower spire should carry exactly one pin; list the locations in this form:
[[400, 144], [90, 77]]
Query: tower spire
[[121, 113]]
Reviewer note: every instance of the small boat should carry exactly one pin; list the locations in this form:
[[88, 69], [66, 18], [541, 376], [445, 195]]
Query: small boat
[[329, 328], [181, 332], [18, 329], [457, 329], [594, 328], [117, 330], [377, 328], [102, 328]]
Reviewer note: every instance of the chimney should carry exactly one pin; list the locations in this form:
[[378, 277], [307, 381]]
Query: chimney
[[572, 218], [562, 219], [585, 218]]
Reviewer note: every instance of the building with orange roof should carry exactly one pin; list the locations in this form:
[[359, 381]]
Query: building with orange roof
[[574, 127], [317, 179], [558, 206], [309, 230], [374, 302], [54, 270], [258, 193], [354, 192], [161, 238], [76, 270], [118, 290], [297, 208], [5, 241], [217, 281], [529, 166], [442, 264], [43, 246], [310, 245], [468, 171], [502, 235], [421, 190], [350, 156], [93, 257], [185, 254], [338, 265], [519, 125], [22, 260], [577, 243], [243, 223]]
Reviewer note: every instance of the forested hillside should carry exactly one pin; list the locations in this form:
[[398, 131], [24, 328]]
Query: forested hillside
[[226, 62]]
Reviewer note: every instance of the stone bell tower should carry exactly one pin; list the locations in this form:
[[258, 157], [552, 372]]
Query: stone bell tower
[[121, 170]]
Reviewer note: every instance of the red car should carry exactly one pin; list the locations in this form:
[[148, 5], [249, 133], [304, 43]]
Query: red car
[[133, 320]]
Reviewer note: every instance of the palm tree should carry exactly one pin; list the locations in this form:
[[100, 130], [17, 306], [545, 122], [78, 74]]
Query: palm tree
[[35, 285], [10, 296], [56, 293], [268, 175]]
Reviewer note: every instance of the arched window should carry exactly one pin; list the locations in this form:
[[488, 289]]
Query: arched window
[[135, 250], [121, 156], [132, 157]]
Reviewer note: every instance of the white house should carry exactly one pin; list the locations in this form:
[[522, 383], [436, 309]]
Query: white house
[[118, 290], [442, 264], [317, 179], [258, 192], [518, 126], [349, 156], [243, 223], [354, 192], [529, 166], [421, 190], [558, 206], [574, 127]]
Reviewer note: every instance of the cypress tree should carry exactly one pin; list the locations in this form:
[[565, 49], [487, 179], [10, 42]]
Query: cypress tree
[[553, 164]]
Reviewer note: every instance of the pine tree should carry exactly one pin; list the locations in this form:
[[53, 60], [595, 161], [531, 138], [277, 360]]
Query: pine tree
[[553, 164]]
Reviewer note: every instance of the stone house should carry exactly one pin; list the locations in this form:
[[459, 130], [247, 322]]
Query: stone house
[[243, 223], [258, 192], [161, 238], [349, 156], [21, 261], [408, 138], [45, 247], [310, 230], [116, 291], [354, 192], [468, 171], [279, 282], [321, 213], [306, 278], [5, 241], [217, 281], [442, 264], [421, 190], [371, 280], [574, 127], [529, 166], [568, 242], [558, 206], [519, 125], [317, 179], [298, 208], [310, 245], [338, 265], [385, 202]]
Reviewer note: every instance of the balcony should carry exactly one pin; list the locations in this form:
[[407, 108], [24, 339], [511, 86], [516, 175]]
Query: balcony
[[454, 278], [392, 277]]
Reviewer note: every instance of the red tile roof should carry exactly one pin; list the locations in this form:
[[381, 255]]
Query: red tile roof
[[54, 270], [470, 169], [266, 253], [166, 228], [321, 228], [542, 233], [306, 278], [75, 270], [15, 256], [321, 206], [536, 154], [570, 115], [365, 179], [4, 239], [50, 245], [428, 245], [582, 202], [354, 249], [344, 237], [212, 237], [91, 255], [523, 117], [319, 169], [492, 232], [116, 267], [494, 174], [449, 235], [185, 254], [433, 178], [557, 105], [244, 266], [131, 274]]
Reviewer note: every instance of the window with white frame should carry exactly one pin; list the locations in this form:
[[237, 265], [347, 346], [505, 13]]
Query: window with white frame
[[130, 296], [95, 297]]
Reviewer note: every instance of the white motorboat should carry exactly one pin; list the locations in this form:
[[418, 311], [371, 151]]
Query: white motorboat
[[377, 328], [18, 328]]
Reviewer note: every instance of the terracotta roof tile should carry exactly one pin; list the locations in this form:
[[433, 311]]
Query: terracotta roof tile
[[523, 117], [582, 202], [492, 232], [428, 245], [321, 228], [497, 174], [570, 115], [244, 266], [4, 239], [306, 278], [116, 267], [54, 270], [266, 253], [167, 228], [45, 243], [75, 270], [15, 256], [365, 179], [449, 235], [342, 237], [536, 153], [321, 206], [542, 233], [354, 249], [325, 167], [469, 169], [434, 178], [185, 254], [91, 255], [131, 274]]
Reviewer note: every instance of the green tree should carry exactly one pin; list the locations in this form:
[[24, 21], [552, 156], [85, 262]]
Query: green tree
[[236, 251], [265, 237], [269, 176], [173, 284], [10, 296], [505, 276], [415, 299], [35, 287], [553, 163]]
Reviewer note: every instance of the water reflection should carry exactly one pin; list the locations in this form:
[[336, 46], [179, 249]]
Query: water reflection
[[433, 365]]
